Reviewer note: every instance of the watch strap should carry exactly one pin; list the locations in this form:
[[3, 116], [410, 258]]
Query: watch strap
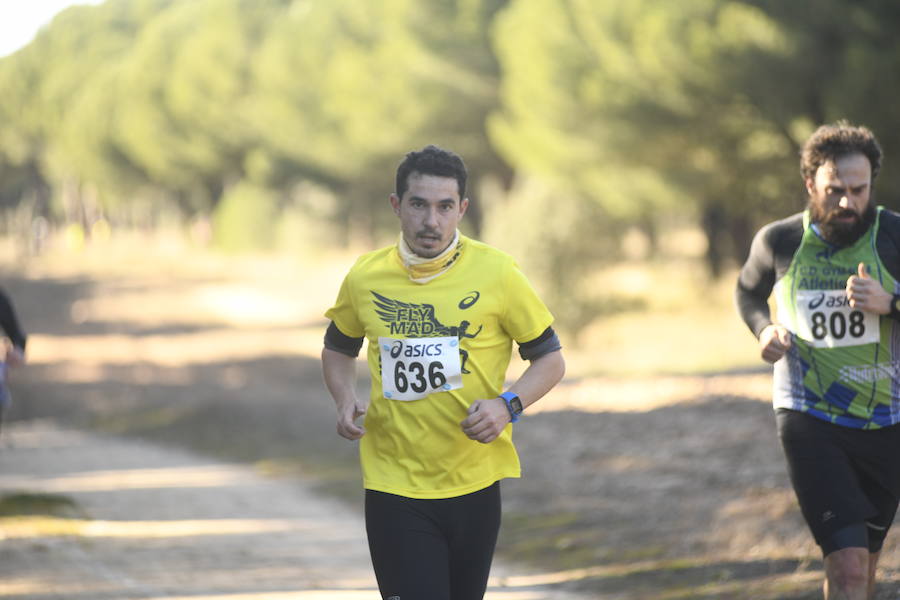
[[895, 308], [514, 411]]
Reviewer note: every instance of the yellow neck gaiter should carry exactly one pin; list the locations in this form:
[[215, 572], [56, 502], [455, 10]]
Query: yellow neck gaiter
[[423, 270]]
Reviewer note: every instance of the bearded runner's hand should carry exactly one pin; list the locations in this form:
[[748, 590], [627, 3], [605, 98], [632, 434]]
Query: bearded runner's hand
[[774, 342], [486, 420], [866, 294]]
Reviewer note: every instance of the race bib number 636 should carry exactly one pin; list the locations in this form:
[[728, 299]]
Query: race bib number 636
[[413, 368]]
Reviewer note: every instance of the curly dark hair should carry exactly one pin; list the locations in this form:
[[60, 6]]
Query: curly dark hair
[[830, 142], [431, 160]]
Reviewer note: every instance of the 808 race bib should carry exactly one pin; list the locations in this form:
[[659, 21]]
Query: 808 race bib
[[825, 319], [413, 368]]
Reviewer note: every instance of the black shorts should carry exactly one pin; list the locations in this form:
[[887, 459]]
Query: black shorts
[[433, 549], [842, 477]]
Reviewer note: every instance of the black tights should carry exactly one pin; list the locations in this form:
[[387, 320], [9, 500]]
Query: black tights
[[433, 549]]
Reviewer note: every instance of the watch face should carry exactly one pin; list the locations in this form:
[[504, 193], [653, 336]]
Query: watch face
[[516, 405]]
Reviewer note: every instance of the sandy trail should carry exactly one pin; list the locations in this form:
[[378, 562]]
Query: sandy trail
[[164, 523]]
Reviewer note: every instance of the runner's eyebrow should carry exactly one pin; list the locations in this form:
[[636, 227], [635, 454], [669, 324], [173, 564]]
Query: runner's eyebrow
[[441, 201], [843, 188]]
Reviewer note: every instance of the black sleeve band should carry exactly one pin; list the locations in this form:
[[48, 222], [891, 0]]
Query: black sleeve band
[[337, 341], [543, 344]]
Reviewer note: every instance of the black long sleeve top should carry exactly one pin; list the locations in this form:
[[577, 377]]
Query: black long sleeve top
[[771, 253]]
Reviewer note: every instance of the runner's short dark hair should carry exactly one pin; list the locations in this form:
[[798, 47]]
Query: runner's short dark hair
[[431, 160], [830, 142]]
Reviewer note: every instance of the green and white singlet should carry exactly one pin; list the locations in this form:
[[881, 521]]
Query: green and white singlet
[[844, 364]]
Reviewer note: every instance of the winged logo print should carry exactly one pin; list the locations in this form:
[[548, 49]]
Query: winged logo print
[[389, 311]]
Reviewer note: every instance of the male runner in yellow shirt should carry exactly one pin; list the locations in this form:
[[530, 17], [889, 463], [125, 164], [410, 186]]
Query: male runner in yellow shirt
[[440, 312]]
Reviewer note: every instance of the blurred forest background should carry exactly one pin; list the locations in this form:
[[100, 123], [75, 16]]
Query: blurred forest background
[[184, 183], [596, 133]]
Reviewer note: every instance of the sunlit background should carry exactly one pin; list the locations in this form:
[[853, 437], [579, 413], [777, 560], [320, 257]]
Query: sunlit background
[[183, 184]]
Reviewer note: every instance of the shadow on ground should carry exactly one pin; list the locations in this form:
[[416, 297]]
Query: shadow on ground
[[684, 501]]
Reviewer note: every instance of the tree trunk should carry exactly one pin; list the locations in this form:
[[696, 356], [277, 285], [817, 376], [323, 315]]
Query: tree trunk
[[713, 222]]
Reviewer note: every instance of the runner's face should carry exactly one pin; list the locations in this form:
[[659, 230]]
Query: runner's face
[[839, 198], [429, 213]]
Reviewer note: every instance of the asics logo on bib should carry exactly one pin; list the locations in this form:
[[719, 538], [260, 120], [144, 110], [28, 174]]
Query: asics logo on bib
[[831, 302], [415, 350]]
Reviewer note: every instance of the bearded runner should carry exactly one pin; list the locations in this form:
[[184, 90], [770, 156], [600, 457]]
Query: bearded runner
[[835, 345]]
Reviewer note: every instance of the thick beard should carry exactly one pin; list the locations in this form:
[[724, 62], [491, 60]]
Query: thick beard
[[837, 233]]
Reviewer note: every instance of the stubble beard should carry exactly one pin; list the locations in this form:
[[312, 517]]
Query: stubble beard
[[430, 252]]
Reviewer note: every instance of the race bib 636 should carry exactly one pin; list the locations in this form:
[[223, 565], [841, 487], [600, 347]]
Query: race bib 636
[[412, 368]]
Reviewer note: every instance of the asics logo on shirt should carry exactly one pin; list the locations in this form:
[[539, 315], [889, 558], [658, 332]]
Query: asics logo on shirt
[[469, 300]]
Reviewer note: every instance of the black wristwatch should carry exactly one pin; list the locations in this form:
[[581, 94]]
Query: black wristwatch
[[895, 308], [513, 405]]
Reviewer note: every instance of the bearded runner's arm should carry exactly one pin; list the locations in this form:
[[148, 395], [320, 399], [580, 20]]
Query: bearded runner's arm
[[888, 246], [770, 256]]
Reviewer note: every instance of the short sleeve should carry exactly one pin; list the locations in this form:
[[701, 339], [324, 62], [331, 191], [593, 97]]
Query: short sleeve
[[343, 313], [525, 316]]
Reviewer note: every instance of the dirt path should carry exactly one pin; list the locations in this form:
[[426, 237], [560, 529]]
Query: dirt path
[[153, 522], [667, 488]]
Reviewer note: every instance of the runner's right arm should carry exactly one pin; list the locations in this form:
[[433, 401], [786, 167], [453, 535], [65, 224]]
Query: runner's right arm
[[339, 371], [770, 256]]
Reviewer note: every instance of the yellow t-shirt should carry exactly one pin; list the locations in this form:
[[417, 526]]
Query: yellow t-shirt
[[416, 448]]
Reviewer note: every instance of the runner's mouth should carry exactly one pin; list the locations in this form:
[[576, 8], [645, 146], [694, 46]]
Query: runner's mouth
[[844, 216]]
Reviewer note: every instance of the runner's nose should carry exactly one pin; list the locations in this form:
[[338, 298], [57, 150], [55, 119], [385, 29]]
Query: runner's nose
[[431, 219]]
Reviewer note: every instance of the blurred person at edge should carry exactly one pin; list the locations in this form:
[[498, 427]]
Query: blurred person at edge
[[440, 312], [835, 345], [15, 349]]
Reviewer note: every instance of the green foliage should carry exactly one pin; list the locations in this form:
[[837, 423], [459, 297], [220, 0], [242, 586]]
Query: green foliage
[[574, 236], [246, 219], [344, 89], [653, 108], [623, 113]]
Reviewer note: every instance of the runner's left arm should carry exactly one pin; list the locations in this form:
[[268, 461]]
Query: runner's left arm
[[888, 247], [488, 417]]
